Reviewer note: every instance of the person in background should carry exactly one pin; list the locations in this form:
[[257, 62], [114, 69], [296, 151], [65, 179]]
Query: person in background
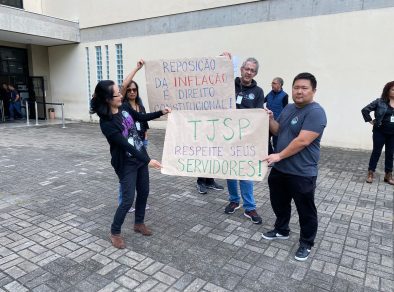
[[15, 103], [275, 100], [205, 183], [132, 100], [382, 132], [5, 97]]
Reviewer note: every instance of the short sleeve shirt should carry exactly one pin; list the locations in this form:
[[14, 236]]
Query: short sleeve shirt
[[292, 120]]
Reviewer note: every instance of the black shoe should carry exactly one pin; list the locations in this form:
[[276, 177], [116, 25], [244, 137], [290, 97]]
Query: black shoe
[[253, 216], [273, 234], [202, 189], [302, 253], [230, 208], [215, 186]]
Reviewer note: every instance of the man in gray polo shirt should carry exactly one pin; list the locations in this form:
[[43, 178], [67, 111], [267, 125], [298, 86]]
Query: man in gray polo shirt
[[299, 129]]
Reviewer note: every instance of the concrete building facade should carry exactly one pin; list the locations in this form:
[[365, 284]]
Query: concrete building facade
[[345, 43]]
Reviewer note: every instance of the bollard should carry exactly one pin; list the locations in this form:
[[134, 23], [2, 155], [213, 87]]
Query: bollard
[[36, 109], [63, 125], [27, 114], [2, 111]]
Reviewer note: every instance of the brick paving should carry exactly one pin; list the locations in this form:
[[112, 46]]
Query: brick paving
[[58, 195]]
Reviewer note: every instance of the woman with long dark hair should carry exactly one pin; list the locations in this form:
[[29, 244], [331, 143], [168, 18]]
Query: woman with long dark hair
[[133, 100], [383, 132], [128, 154]]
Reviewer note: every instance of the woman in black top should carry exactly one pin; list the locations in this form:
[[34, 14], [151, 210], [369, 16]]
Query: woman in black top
[[134, 101], [128, 155], [383, 132]]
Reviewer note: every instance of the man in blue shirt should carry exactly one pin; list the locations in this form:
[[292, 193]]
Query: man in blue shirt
[[299, 129], [275, 101]]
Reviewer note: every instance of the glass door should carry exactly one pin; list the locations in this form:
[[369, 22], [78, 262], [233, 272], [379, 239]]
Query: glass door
[[37, 93]]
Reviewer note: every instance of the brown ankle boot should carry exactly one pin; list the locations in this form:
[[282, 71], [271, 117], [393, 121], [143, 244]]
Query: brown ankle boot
[[370, 177], [388, 178], [141, 228], [117, 241]]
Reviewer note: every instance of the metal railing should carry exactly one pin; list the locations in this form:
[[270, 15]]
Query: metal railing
[[51, 103], [2, 117], [2, 111]]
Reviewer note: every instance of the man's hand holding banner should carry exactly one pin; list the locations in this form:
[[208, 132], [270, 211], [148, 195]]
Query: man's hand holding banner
[[219, 144]]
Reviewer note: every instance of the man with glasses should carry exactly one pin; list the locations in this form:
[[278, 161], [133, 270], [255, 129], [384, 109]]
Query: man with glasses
[[276, 100], [248, 95]]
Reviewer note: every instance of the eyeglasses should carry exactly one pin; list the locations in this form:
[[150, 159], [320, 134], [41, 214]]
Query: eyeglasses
[[250, 70], [132, 90]]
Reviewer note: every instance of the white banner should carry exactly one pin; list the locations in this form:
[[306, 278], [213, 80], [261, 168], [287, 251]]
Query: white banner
[[227, 144], [190, 84]]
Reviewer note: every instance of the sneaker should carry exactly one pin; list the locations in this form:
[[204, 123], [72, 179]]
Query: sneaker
[[202, 189], [273, 234], [253, 216], [302, 253], [147, 207], [215, 186], [230, 208]]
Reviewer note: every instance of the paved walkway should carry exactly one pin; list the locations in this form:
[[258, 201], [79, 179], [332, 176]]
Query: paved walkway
[[58, 195]]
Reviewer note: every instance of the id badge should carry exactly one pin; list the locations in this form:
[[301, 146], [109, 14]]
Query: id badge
[[392, 119], [138, 126], [239, 99]]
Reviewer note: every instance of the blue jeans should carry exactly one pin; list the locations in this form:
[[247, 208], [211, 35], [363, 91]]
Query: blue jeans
[[15, 106], [246, 187], [133, 177], [120, 186]]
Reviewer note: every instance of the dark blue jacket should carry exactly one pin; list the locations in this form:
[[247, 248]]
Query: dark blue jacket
[[276, 101], [379, 107]]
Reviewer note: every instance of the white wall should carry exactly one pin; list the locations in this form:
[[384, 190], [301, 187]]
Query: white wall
[[68, 80], [91, 13], [349, 53], [39, 66], [33, 6]]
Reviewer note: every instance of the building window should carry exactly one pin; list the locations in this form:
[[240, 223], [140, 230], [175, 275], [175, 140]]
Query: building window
[[88, 72], [107, 60], [119, 64], [13, 3], [99, 64]]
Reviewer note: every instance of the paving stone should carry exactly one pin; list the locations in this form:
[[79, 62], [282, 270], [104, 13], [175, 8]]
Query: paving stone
[[184, 281], [60, 228], [137, 275], [15, 287], [43, 288], [146, 286], [127, 282], [196, 285], [15, 272], [166, 279]]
